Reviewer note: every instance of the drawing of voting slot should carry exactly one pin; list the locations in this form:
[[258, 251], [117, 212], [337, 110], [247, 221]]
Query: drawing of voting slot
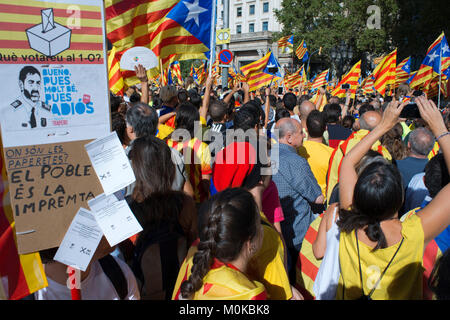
[[48, 184], [48, 37]]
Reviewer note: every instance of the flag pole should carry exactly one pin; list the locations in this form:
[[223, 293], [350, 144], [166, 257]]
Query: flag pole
[[440, 74], [212, 38]]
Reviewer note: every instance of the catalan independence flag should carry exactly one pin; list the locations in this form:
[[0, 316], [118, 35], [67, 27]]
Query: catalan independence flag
[[295, 79], [402, 72], [176, 70], [302, 52], [320, 81], [367, 85], [86, 42], [257, 74], [384, 72], [20, 275], [116, 84], [437, 60], [350, 78], [172, 29], [286, 44]]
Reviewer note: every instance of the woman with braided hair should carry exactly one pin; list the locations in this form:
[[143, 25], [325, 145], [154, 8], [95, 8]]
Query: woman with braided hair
[[231, 234]]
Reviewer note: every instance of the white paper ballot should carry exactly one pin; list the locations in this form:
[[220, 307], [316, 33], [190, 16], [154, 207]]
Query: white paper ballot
[[110, 163], [80, 241], [114, 217], [138, 55]]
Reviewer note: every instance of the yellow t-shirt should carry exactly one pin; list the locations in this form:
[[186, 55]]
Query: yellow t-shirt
[[403, 278], [318, 156]]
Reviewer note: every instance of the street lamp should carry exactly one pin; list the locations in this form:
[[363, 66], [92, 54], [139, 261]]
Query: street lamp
[[342, 54]]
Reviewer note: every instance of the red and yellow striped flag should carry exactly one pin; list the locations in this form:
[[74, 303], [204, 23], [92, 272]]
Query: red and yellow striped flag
[[350, 78], [321, 80], [315, 99], [201, 74], [301, 50], [176, 70], [384, 73], [256, 66], [367, 85], [146, 23], [253, 73], [114, 75], [401, 75], [20, 275], [293, 80]]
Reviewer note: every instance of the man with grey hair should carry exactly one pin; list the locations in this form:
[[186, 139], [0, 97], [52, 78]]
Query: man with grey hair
[[297, 188], [420, 143]]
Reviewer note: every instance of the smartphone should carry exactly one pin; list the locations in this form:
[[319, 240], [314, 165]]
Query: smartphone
[[410, 111], [280, 90], [345, 86], [272, 70]]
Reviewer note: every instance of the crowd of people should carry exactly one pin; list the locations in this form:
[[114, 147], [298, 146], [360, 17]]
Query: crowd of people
[[227, 218]]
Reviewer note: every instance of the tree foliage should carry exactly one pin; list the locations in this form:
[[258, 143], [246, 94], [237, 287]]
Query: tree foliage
[[409, 25]]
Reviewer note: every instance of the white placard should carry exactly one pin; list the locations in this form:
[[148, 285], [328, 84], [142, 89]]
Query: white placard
[[138, 55], [54, 73], [80, 242], [110, 163], [114, 217]]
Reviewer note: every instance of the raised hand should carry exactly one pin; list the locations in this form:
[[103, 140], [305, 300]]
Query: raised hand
[[431, 114], [141, 73]]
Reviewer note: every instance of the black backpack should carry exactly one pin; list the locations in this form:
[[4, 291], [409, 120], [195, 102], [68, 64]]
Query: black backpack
[[115, 274]]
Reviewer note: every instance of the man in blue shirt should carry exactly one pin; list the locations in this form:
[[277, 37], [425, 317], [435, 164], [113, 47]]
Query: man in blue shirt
[[297, 188]]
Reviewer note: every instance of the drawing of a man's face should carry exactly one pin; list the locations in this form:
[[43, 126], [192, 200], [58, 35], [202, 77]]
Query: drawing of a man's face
[[31, 86]]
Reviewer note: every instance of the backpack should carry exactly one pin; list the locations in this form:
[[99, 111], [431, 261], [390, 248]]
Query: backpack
[[115, 274]]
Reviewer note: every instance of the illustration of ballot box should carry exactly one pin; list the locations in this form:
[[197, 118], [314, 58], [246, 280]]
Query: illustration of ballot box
[[49, 37]]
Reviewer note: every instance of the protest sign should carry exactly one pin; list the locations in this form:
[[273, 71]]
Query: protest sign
[[55, 100], [53, 72]]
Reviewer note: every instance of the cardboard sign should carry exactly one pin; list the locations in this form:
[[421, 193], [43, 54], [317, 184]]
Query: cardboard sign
[[47, 186], [55, 100]]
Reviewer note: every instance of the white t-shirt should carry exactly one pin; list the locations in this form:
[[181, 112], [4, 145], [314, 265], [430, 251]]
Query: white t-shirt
[[96, 286]]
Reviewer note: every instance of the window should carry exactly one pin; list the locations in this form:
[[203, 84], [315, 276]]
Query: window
[[252, 9], [239, 11], [251, 27], [221, 14], [238, 28], [265, 7], [265, 26]]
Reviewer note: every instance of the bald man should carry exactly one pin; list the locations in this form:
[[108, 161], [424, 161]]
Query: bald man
[[305, 109], [297, 188], [369, 120]]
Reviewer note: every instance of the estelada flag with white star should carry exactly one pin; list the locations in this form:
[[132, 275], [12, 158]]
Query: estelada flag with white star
[[437, 61], [172, 29], [403, 71]]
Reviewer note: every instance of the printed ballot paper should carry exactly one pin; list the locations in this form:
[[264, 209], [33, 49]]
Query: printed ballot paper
[[114, 218], [80, 242], [110, 163]]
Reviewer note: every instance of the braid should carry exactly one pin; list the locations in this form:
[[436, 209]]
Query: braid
[[206, 252]]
